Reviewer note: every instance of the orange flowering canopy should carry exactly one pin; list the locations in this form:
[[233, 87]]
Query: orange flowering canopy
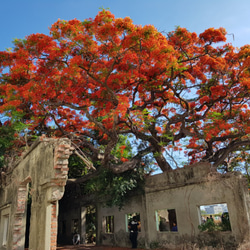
[[96, 80]]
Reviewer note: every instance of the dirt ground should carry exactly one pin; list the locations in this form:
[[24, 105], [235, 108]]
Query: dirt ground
[[92, 247]]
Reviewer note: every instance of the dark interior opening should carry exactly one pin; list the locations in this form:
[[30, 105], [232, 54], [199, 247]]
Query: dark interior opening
[[28, 215]]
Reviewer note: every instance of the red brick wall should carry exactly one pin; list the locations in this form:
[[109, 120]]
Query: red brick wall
[[61, 156], [53, 236], [19, 215]]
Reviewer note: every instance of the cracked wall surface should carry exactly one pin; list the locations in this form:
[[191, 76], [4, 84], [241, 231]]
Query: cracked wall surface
[[41, 172], [184, 190]]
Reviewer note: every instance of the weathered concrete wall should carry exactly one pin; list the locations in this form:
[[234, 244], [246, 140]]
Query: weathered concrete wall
[[120, 237], [43, 168], [184, 190]]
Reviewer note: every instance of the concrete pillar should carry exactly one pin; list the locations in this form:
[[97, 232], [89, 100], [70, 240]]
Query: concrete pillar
[[47, 222]]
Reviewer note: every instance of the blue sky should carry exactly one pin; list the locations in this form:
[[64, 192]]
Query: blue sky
[[23, 17]]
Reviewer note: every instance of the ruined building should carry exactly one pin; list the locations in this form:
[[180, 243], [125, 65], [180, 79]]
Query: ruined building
[[171, 211]]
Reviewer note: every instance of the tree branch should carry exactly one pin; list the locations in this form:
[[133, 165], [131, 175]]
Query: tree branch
[[221, 154]]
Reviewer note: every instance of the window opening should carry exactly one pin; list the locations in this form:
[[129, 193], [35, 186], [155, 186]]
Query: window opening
[[5, 229], [214, 217], [129, 218], [166, 220], [109, 225], [91, 224]]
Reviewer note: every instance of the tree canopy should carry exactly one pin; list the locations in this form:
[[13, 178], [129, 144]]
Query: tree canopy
[[96, 80]]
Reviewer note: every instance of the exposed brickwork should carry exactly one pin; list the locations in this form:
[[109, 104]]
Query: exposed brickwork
[[53, 236], [19, 215], [61, 155], [45, 163]]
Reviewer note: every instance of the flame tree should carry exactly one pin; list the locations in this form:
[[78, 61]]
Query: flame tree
[[96, 80]]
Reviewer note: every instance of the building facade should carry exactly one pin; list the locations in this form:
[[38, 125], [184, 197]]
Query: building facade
[[35, 184], [172, 212], [175, 210]]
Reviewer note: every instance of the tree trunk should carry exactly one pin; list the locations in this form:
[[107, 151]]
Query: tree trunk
[[160, 159]]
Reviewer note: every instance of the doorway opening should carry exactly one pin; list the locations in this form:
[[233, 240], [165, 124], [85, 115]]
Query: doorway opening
[[91, 221], [28, 215]]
